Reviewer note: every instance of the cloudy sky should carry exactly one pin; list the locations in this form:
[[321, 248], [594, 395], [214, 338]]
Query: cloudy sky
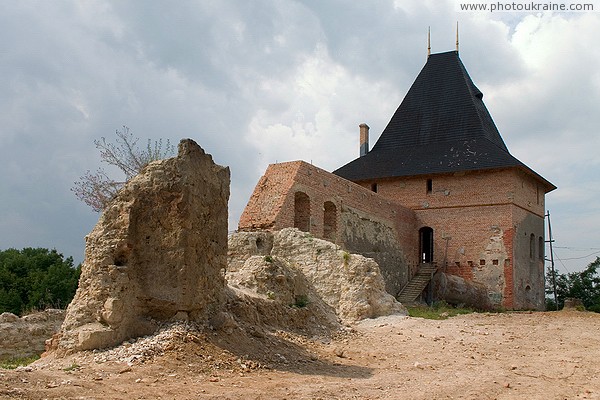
[[265, 81]]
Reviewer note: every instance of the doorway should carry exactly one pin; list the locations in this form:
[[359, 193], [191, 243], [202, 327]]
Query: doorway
[[426, 244]]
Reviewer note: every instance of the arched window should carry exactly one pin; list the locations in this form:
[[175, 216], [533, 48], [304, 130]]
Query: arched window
[[302, 211], [329, 220], [532, 246]]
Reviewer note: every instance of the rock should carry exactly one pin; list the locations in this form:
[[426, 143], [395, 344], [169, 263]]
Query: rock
[[243, 245], [303, 270], [26, 336], [157, 253], [8, 317], [456, 290]]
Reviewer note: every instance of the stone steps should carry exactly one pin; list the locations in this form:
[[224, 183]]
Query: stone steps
[[417, 284]]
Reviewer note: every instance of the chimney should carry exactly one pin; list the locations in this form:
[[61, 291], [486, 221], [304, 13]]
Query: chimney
[[364, 139]]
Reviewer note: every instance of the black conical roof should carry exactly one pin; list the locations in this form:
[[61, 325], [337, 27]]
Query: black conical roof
[[442, 125]]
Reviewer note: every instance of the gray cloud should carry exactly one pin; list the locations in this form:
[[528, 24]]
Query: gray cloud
[[273, 80]]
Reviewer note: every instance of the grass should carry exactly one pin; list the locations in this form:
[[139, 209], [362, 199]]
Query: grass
[[439, 310], [15, 362], [300, 301], [346, 257]]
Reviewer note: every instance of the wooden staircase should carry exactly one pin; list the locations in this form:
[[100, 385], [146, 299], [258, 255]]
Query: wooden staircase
[[417, 284]]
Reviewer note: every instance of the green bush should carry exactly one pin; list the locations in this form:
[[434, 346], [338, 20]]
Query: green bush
[[36, 279]]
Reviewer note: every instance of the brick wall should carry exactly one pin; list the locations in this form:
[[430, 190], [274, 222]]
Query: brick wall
[[272, 205], [464, 189]]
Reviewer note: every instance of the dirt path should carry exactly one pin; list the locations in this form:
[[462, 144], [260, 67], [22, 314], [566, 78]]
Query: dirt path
[[476, 356]]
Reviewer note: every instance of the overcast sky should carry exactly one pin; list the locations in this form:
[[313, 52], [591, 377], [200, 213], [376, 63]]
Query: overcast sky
[[256, 82]]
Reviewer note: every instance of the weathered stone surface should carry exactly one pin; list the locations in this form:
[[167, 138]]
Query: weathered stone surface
[[26, 336], [456, 290], [245, 244], [378, 239], [299, 266], [158, 252]]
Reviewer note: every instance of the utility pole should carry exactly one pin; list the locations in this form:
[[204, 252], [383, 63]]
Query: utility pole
[[550, 240]]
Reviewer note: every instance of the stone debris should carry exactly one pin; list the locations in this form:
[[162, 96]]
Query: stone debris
[[142, 349]]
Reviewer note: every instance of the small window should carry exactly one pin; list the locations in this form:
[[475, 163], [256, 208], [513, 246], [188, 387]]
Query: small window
[[482, 262], [429, 186], [532, 246], [374, 187]]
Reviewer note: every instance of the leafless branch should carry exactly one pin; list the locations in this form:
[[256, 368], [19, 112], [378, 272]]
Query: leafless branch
[[97, 189]]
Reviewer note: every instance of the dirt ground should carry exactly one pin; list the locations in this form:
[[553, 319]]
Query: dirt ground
[[477, 356]]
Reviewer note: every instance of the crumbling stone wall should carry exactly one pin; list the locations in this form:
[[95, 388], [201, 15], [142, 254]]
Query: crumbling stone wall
[[156, 254], [26, 336]]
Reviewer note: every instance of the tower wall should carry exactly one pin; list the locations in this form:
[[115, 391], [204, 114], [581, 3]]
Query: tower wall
[[487, 226]]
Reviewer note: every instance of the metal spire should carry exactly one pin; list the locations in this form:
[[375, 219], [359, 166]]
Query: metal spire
[[428, 41], [457, 36]]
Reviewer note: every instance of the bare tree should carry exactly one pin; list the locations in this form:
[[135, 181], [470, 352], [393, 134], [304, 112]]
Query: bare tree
[[97, 189]]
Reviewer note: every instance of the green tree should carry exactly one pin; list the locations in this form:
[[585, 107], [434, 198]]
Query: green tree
[[36, 279], [584, 285]]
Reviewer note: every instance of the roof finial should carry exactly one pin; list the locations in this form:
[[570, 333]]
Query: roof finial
[[428, 41], [457, 36]]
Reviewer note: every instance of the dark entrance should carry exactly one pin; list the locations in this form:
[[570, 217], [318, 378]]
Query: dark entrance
[[426, 244]]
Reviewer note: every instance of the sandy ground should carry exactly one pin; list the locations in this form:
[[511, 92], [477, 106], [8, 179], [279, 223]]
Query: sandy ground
[[477, 356]]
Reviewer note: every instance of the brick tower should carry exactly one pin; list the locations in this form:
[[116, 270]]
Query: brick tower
[[479, 210]]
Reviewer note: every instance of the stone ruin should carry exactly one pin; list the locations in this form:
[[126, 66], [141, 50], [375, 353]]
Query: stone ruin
[[159, 253]]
